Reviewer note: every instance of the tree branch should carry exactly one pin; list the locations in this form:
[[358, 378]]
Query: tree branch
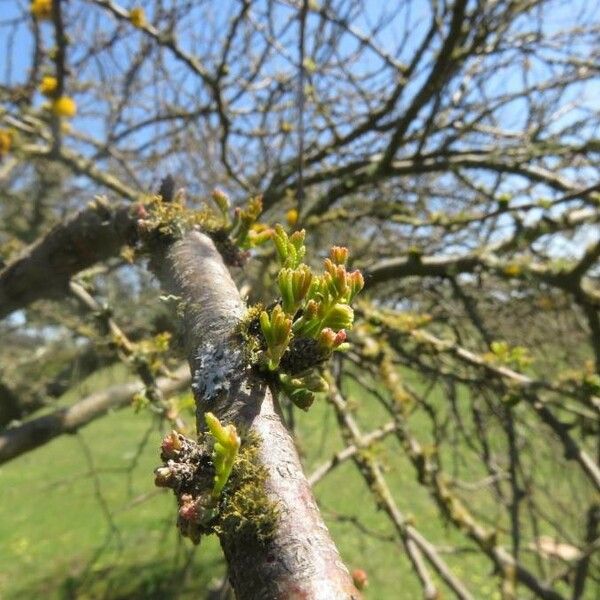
[[299, 560], [44, 269], [35, 433]]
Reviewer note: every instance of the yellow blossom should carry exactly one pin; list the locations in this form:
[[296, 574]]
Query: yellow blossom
[[48, 85], [291, 217], [512, 270], [137, 17], [6, 141], [41, 9], [64, 107]]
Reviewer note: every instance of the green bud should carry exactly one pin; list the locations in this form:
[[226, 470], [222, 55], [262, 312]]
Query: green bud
[[281, 243], [340, 316], [294, 285], [309, 324], [286, 290], [225, 449], [277, 329], [302, 279], [311, 309], [281, 326], [335, 276], [290, 250], [244, 219], [258, 238], [339, 255], [265, 325], [302, 398], [356, 283], [221, 199], [311, 381], [315, 383]]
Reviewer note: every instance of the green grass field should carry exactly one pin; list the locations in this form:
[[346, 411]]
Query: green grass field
[[80, 517]]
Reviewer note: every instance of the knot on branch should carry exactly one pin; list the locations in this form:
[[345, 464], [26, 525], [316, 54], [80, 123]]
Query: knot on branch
[[188, 470], [242, 507]]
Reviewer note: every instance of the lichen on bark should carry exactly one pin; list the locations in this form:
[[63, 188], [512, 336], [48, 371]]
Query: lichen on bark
[[247, 511], [242, 509]]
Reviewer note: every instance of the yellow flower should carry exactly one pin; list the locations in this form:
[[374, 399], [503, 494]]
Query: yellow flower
[[6, 141], [512, 270], [64, 107], [137, 16], [291, 217], [41, 9], [48, 85]]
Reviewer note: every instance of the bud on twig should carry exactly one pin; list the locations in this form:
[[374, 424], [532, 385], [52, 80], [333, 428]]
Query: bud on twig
[[277, 330], [163, 477], [339, 255], [227, 444]]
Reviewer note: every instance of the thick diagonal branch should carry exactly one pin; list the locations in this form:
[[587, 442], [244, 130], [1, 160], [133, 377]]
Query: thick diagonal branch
[[298, 560]]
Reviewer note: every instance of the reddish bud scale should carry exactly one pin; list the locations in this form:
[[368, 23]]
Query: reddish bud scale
[[340, 338], [360, 578], [171, 445], [188, 509], [327, 338], [140, 211]]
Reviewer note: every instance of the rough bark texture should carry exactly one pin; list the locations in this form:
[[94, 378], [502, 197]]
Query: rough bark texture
[[92, 235], [299, 560]]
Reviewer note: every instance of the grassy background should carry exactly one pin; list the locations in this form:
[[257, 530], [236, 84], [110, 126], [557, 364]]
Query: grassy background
[[80, 517]]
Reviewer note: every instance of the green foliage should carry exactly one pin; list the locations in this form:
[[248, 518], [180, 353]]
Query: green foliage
[[501, 353], [311, 319], [245, 231], [225, 449], [276, 328], [290, 249]]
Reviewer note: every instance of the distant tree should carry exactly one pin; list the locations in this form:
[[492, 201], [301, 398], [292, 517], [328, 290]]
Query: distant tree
[[452, 146]]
